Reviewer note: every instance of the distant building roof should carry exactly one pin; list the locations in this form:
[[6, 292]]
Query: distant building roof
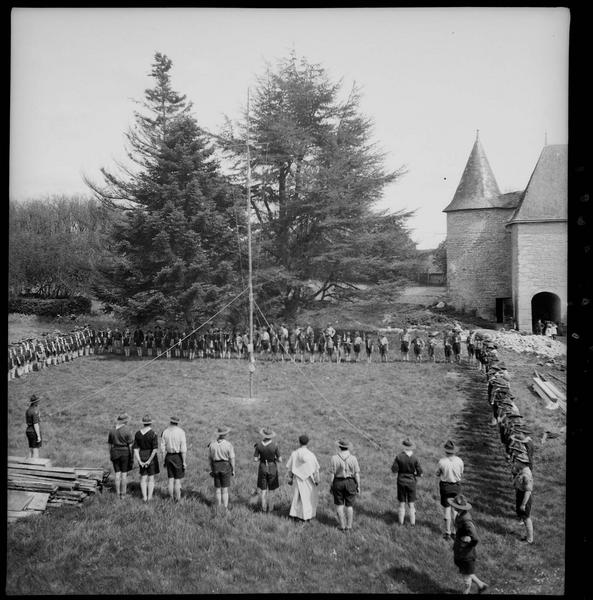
[[477, 187], [545, 198]]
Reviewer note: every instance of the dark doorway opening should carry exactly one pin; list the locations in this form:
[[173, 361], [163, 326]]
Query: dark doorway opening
[[545, 306], [504, 310]]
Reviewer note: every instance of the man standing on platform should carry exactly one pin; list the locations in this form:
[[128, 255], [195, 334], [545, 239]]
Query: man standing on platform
[[174, 448]]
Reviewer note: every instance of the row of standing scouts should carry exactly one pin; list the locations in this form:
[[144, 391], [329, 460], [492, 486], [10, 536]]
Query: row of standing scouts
[[276, 344], [303, 469]]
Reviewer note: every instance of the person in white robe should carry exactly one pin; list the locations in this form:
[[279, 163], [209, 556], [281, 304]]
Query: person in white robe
[[303, 473]]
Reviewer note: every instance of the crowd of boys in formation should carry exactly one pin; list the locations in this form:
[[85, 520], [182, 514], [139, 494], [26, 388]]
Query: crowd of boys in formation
[[303, 470], [34, 354], [270, 342]]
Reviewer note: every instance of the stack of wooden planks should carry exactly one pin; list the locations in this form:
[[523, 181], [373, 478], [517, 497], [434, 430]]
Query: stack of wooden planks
[[34, 485], [548, 392]]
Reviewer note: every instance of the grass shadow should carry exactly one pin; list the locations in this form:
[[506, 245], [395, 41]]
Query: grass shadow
[[418, 582]]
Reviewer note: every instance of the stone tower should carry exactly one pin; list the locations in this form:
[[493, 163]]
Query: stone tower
[[539, 242], [478, 243]]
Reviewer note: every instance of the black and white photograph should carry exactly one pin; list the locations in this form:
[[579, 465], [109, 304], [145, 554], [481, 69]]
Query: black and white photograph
[[287, 301]]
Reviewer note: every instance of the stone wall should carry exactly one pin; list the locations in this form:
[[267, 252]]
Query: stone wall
[[540, 264], [479, 259]]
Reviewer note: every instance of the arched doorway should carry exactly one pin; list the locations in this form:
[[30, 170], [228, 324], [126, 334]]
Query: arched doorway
[[545, 306]]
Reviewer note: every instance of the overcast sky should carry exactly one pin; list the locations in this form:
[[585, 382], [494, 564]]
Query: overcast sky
[[429, 77]]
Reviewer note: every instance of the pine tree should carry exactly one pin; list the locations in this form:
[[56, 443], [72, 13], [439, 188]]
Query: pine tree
[[176, 241], [316, 178]]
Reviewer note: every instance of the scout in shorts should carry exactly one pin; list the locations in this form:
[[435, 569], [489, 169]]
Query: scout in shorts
[[221, 455], [174, 449], [408, 469], [120, 441], [449, 472], [345, 473], [523, 484], [464, 546], [268, 455]]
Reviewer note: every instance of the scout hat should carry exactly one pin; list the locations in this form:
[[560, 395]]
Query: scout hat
[[459, 502], [123, 417], [342, 443], [407, 444], [222, 431], [450, 447], [522, 458], [267, 433], [33, 399], [174, 420], [147, 419]]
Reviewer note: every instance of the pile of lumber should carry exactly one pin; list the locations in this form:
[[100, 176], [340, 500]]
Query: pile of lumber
[[34, 485], [548, 392]]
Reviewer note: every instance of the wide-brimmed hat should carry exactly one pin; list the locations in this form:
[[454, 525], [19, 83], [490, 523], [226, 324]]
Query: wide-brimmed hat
[[520, 436], [222, 430], [174, 420], [123, 417], [267, 433], [459, 502], [450, 447], [343, 443], [147, 419], [408, 444], [522, 457], [34, 399]]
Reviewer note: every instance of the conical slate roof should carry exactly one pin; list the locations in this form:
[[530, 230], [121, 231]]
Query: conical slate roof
[[478, 187], [545, 198]]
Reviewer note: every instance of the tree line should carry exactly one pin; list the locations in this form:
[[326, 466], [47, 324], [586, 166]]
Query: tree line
[[165, 234]]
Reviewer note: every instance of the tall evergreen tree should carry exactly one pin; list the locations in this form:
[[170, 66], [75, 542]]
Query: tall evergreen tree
[[176, 241], [316, 179]]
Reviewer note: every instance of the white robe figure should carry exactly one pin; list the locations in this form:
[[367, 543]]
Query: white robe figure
[[305, 468]]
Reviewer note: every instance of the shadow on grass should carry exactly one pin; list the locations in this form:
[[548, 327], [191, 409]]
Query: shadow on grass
[[489, 487], [416, 581]]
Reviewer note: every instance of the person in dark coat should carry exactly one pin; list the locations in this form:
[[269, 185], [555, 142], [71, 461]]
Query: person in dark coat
[[146, 444], [464, 546], [408, 469], [268, 455], [33, 432]]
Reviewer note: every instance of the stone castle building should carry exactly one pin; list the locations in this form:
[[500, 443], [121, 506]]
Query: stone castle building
[[507, 253]]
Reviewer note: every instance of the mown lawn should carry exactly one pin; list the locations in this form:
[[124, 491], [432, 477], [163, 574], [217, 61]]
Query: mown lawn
[[119, 547]]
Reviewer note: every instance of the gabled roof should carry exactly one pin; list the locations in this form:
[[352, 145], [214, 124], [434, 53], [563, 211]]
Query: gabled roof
[[478, 187], [545, 197]]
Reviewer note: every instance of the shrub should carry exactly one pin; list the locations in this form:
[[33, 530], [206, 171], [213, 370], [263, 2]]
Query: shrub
[[50, 307]]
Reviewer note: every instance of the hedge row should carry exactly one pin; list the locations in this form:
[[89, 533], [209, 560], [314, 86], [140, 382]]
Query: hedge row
[[50, 307]]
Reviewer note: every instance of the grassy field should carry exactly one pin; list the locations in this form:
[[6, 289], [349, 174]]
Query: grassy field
[[119, 547]]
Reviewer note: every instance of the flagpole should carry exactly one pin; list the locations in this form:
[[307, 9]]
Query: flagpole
[[250, 345]]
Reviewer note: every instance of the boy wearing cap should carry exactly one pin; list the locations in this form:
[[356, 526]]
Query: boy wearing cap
[[174, 449], [345, 473], [408, 469], [523, 484], [267, 454], [221, 455], [450, 471], [33, 432], [120, 441], [464, 546]]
